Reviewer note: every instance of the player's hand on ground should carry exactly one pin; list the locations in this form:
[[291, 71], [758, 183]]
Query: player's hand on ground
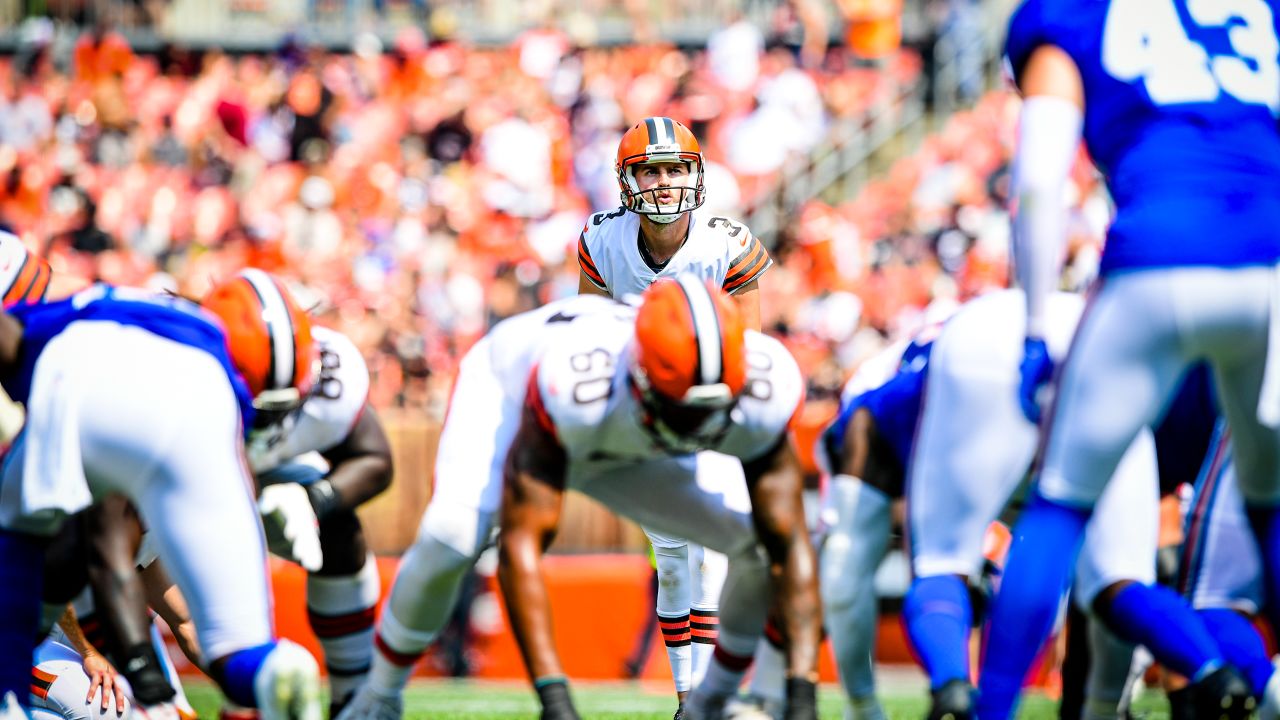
[[103, 677], [1036, 371], [556, 702], [290, 524]]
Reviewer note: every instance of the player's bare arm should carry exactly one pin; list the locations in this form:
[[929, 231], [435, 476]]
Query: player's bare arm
[[748, 301], [166, 599], [533, 490], [775, 482], [114, 534], [586, 287], [361, 466], [98, 668]]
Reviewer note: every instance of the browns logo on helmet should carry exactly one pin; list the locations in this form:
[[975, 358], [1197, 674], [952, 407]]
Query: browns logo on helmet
[[659, 140], [269, 337], [689, 364]]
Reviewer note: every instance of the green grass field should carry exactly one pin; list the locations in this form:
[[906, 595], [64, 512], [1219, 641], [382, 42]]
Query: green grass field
[[455, 700]]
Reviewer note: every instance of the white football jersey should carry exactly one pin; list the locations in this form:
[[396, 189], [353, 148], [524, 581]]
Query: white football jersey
[[515, 344], [585, 399], [718, 249], [328, 415]]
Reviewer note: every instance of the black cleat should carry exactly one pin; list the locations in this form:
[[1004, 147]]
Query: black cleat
[[953, 701], [679, 713], [1223, 695]]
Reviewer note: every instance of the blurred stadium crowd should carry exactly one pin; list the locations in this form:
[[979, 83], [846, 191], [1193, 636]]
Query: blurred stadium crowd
[[417, 191]]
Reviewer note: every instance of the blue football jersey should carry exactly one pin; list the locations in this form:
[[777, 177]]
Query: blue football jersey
[[169, 317], [1181, 99], [895, 406]]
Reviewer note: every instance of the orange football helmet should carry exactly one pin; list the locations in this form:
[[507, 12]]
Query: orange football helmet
[[654, 140], [269, 337], [689, 362], [24, 278]]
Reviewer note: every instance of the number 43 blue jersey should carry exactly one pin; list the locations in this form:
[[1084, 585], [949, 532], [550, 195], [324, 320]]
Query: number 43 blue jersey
[[1181, 99]]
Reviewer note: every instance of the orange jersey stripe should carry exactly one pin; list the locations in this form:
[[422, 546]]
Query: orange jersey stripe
[[22, 281], [587, 265], [747, 268]]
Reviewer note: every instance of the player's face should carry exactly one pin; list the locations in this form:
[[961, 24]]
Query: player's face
[[662, 175]]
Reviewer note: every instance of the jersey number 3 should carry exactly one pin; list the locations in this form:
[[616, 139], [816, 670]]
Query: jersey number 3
[[1146, 39]]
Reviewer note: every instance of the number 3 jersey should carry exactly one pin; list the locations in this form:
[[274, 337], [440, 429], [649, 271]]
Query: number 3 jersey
[[584, 397], [1181, 98], [329, 413], [612, 256]]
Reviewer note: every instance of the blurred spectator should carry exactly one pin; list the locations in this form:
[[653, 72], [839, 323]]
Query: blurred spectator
[[417, 193]]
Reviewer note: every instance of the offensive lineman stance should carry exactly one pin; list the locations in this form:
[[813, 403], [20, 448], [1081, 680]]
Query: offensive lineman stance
[[620, 415]]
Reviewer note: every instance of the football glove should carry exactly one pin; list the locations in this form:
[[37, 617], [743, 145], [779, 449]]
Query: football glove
[[1036, 370], [290, 524]]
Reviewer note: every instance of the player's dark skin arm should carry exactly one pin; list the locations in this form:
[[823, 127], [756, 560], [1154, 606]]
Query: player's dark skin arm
[[361, 465], [360, 469], [867, 457], [115, 532], [775, 482], [533, 490], [164, 597]]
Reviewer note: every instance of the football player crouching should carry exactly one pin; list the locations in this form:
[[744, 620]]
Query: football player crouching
[[679, 421], [317, 452]]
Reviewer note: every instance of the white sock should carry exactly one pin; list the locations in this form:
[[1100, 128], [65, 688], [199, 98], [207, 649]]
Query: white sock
[[676, 636], [1110, 659], [769, 671], [728, 664], [850, 556], [396, 650], [674, 591], [341, 611], [707, 571]]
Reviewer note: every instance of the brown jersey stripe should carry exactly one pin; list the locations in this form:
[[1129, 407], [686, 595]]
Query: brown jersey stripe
[[752, 273], [745, 261], [588, 267]]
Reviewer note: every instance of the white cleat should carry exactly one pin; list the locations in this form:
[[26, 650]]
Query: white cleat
[[288, 684], [704, 706], [11, 709], [369, 705], [1269, 703], [753, 707]]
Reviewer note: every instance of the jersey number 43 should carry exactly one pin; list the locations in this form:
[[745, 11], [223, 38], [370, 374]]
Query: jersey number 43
[[1147, 39]]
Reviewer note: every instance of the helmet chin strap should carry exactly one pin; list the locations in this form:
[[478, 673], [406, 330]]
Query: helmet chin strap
[[664, 219]]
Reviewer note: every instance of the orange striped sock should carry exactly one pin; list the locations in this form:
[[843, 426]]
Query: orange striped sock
[[676, 636]]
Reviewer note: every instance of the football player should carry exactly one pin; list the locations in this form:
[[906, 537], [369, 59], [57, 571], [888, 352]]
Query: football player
[[484, 412], [70, 667], [1180, 115], [937, 428], [656, 232], [625, 415], [135, 394], [314, 430]]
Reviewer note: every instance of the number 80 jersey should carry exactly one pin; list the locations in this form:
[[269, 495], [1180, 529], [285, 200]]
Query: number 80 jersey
[[718, 249], [584, 399], [1181, 98]]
